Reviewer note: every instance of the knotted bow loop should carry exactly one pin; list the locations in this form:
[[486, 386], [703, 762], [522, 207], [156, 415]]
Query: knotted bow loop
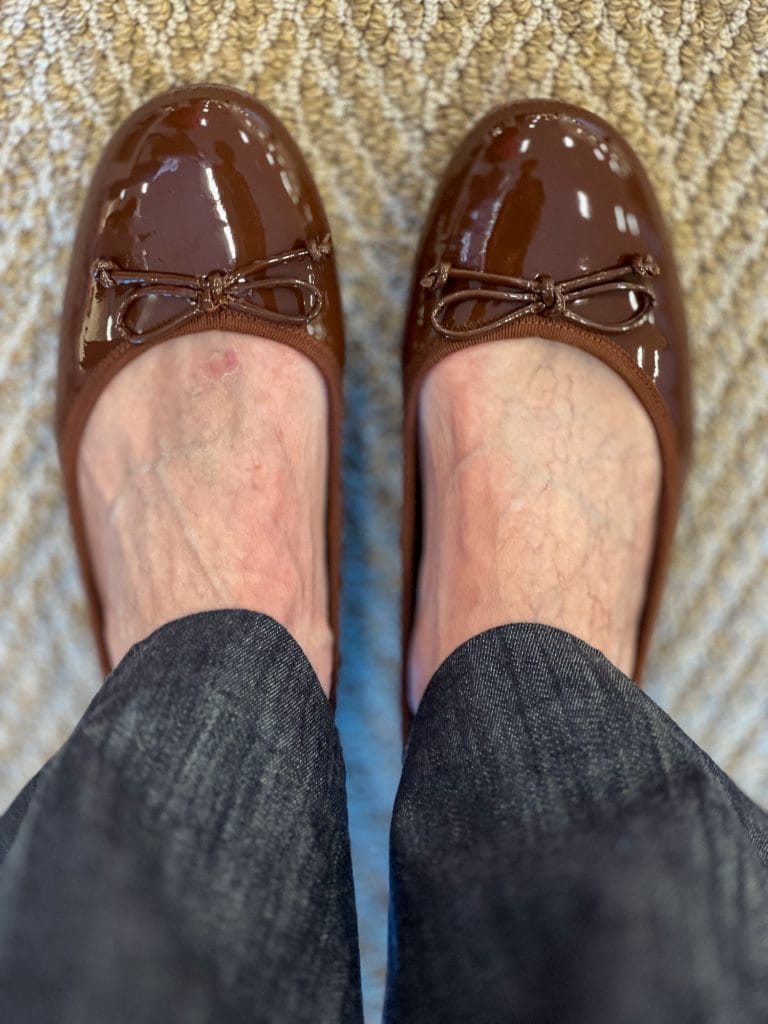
[[233, 289], [541, 295]]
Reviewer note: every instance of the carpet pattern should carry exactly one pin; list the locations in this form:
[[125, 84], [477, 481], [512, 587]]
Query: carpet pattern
[[377, 95]]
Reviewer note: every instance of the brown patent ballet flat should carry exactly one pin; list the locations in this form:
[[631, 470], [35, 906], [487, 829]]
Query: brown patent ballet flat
[[546, 225], [201, 214]]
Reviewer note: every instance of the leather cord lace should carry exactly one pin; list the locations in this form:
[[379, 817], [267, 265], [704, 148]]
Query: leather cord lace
[[541, 295], [204, 293]]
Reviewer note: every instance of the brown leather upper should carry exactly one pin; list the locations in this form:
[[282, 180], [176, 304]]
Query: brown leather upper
[[545, 225], [199, 181], [201, 214], [542, 188]]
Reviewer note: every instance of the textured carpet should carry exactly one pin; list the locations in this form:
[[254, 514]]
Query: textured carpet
[[377, 95]]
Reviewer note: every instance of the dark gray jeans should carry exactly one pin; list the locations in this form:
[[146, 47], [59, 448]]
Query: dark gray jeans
[[560, 850]]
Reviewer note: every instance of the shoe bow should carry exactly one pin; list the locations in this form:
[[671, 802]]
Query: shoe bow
[[541, 295], [233, 289]]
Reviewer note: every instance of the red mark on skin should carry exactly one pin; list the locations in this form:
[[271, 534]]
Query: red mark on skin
[[204, 376], [220, 364]]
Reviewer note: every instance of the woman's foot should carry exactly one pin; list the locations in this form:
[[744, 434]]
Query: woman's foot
[[540, 475], [203, 474]]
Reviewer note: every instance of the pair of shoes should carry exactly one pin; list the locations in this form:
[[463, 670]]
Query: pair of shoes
[[203, 214]]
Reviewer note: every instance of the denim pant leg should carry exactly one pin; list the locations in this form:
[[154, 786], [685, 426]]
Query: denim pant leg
[[185, 855], [562, 851]]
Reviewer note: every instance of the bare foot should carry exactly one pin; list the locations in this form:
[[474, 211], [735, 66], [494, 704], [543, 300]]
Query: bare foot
[[202, 475], [540, 474]]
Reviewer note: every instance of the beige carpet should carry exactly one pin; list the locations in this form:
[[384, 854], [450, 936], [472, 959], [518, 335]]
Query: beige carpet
[[377, 95]]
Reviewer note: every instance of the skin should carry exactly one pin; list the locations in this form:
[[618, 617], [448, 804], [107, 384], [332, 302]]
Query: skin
[[210, 493], [540, 499]]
